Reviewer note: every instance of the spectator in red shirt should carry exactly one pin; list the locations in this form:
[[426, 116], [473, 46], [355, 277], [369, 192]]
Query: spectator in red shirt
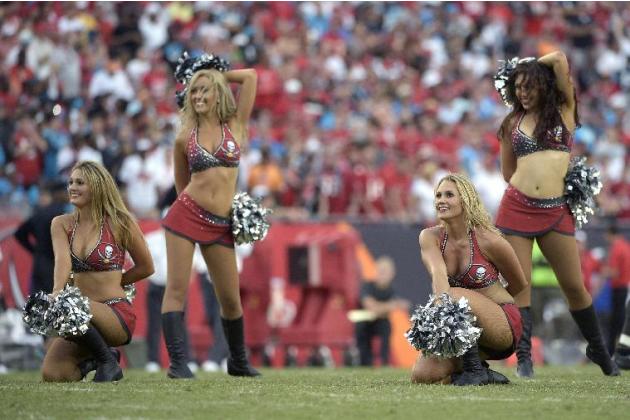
[[620, 195], [335, 184], [21, 78], [617, 268], [396, 178], [590, 264], [269, 84], [367, 183], [28, 150]]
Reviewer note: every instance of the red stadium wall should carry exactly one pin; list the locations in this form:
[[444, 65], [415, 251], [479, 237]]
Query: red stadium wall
[[318, 266]]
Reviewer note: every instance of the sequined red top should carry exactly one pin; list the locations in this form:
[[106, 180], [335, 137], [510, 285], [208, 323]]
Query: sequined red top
[[106, 255], [561, 139], [227, 154], [480, 272]]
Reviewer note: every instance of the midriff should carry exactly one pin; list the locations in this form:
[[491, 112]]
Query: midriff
[[214, 189], [541, 174], [100, 286]]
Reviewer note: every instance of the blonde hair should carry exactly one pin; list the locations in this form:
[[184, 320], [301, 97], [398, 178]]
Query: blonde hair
[[107, 201], [474, 211], [225, 107]]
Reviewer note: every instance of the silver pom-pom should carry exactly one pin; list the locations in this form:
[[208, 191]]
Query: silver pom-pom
[[130, 292], [581, 184], [506, 67], [249, 219], [69, 314], [443, 327], [187, 66], [34, 311]]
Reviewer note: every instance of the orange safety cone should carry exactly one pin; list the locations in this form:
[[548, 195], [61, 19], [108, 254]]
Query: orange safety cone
[[538, 354]]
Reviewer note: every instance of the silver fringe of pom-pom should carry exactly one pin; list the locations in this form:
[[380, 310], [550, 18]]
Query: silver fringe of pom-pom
[[187, 66], [506, 67], [69, 314], [249, 219], [443, 328], [34, 311], [130, 292], [581, 184]]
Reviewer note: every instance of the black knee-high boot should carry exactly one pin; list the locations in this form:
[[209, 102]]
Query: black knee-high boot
[[525, 367], [107, 368], [173, 328], [88, 365], [495, 377], [596, 349], [474, 372], [237, 364], [622, 352]]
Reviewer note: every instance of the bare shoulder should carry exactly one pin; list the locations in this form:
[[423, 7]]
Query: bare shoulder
[[490, 242], [430, 233], [63, 221], [510, 122], [184, 133], [134, 228]]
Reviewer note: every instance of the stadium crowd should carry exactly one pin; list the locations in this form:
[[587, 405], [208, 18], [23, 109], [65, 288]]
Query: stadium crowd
[[361, 107]]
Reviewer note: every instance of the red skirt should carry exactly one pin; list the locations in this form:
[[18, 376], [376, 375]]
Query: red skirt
[[125, 313], [189, 220], [521, 215], [513, 316]]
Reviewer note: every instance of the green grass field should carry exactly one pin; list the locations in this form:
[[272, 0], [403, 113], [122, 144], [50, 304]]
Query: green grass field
[[338, 394]]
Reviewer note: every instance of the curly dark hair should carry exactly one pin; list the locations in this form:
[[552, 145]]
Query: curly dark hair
[[541, 77]]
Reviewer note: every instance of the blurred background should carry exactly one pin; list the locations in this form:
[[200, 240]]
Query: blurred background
[[361, 107]]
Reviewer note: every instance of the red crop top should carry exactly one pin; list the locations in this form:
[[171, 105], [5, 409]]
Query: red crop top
[[105, 256], [227, 154], [561, 140], [480, 272]]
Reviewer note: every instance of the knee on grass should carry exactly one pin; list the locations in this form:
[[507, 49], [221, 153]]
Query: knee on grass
[[60, 375], [425, 377]]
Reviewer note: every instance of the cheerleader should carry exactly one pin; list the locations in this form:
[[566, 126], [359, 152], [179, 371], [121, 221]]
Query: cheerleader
[[464, 256], [89, 247], [536, 139], [207, 151]]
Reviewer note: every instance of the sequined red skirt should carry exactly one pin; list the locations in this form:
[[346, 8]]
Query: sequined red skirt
[[125, 313], [513, 316], [189, 220], [521, 215]]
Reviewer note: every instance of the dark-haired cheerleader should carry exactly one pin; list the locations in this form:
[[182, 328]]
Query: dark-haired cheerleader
[[536, 139], [89, 247], [464, 255], [214, 128]]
